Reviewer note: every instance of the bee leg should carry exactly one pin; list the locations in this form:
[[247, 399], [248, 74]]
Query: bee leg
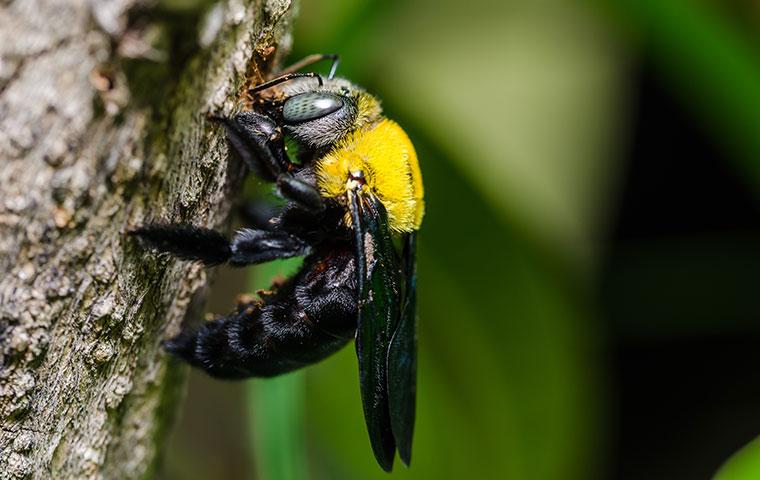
[[185, 241], [252, 246], [305, 224], [302, 193], [248, 247], [259, 214], [259, 142]]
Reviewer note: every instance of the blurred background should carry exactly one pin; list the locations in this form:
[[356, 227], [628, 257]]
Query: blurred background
[[588, 265]]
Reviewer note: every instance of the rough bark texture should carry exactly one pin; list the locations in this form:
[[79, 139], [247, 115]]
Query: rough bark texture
[[103, 126]]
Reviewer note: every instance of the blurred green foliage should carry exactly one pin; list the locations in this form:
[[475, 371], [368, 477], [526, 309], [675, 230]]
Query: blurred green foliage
[[712, 64]]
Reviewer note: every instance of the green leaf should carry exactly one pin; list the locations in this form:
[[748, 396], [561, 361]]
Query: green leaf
[[743, 465]]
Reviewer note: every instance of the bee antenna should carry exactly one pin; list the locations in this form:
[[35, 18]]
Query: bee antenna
[[311, 60], [334, 67], [285, 78]]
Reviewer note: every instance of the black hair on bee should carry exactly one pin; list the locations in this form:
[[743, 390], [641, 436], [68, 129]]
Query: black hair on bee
[[356, 187]]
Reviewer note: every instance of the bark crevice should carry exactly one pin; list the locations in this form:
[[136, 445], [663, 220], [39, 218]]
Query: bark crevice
[[85, 389]]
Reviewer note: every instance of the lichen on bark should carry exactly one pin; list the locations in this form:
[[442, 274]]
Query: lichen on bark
[[104, 126]]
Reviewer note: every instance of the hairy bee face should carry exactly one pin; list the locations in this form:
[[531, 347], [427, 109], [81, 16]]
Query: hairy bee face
[[318, 116], [318, 119], [347, 123]]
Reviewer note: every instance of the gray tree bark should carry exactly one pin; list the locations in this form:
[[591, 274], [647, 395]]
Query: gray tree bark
[[103, 126]]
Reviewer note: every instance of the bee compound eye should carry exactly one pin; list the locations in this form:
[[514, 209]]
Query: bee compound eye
[[310, 106]]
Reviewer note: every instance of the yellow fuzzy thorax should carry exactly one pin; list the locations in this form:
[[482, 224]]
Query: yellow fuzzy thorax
[[386, 157]]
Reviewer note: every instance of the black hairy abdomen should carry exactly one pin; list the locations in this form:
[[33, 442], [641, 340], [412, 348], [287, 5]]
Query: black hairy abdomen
[[309, 317]]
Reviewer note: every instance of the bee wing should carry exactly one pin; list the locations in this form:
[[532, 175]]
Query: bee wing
[[402, 357], [378, 286]]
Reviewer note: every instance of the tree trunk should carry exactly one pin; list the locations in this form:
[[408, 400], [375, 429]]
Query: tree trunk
[[104, 126]]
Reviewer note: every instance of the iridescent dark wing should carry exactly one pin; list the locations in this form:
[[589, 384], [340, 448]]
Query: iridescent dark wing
[[379, 309], [402, 357]]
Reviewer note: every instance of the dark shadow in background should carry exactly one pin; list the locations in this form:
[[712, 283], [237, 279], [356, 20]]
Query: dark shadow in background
[[680, 290]]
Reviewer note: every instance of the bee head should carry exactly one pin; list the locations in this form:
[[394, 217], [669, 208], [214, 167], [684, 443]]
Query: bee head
[[320, 115]]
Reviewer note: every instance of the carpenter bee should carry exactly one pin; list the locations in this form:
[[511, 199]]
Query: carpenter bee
[[354, 202]]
